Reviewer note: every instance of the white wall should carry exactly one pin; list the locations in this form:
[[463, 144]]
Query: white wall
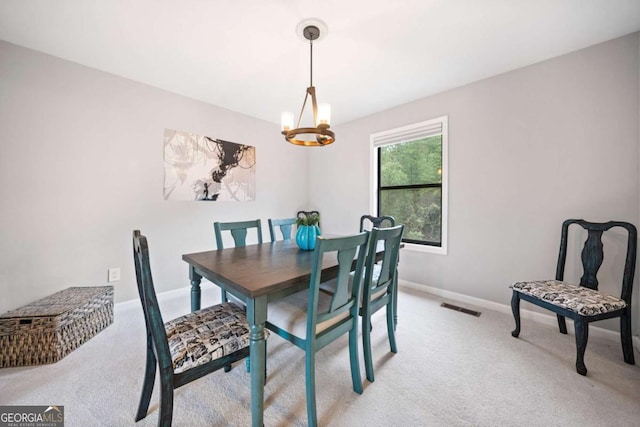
[[81, 166], [527, 149]]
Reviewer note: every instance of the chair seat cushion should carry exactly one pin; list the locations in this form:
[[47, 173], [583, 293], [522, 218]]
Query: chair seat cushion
[[579, 299], [205, 335], [290, 313]]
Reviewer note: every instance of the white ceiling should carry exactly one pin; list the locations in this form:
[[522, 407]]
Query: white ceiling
[[245, 55]]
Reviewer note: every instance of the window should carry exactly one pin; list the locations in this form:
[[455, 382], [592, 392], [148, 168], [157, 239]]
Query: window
[[410, 181]]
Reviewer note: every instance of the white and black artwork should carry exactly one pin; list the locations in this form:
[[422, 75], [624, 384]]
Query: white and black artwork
[[207, 169]]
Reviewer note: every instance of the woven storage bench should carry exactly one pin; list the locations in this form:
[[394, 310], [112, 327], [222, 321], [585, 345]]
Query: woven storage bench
[[47, 330]]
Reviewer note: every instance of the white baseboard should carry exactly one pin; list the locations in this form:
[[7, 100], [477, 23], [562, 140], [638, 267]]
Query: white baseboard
[[162, 296], [168, 295], [504, 308], [125, 305]]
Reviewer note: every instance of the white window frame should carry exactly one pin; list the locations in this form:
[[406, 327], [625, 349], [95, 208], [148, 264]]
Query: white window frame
[[437, 126]]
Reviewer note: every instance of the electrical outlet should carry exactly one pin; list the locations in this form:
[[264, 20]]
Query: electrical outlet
[[114, 274]]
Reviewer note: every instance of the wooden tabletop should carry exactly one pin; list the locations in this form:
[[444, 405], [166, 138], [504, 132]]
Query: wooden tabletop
[[262, 269]]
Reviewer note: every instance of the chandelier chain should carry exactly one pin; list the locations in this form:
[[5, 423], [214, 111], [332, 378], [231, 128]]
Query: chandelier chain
[[311, 61]]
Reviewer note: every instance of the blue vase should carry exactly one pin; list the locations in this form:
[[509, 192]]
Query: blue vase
[[306, 237]]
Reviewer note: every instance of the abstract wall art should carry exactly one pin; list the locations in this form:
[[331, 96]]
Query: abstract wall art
[[207, 169]]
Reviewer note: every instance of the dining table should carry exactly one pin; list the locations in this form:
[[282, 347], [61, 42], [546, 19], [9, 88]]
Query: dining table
[[257, 274]]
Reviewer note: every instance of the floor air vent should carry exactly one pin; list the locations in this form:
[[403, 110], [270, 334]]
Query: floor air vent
[[460, 309]]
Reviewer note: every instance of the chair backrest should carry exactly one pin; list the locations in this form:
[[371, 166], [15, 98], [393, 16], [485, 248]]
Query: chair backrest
[[593, 255], [344, 302], [286, 226], [152, 316], [238, 231], [377, 221], [390, 240]]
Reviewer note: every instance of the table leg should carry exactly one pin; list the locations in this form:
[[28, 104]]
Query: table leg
[[257, 316], [195, 288]]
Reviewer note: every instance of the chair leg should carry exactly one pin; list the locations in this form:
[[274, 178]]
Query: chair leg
[[562, 324], [625, 335], [166, 399], [353, 357], [395, 301], [582, 335], [147, 386], [391, 328], [223, 295], [366, 345], [310, 367], [515, 308]]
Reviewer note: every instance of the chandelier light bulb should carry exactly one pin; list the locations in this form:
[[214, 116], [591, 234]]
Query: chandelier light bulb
[[286, 121], [324, 113]]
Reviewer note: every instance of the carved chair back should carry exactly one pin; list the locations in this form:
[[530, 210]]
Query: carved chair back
[[593, 255], [377, 221], [285, 225], [238, 231]]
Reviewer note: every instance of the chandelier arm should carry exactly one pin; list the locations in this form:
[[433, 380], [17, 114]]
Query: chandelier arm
[[314, 104], [304, 103]]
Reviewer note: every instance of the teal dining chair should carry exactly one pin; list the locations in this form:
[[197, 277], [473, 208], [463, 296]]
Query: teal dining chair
[[310, 319], [285, 225], [379, 289], [188, 347], [238, 231], [366, 223]]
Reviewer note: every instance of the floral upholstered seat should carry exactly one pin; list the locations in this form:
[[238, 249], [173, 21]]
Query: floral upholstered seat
[[579, 299], [205, 335]]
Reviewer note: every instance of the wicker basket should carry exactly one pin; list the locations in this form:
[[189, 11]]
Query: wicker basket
[[49, 329]]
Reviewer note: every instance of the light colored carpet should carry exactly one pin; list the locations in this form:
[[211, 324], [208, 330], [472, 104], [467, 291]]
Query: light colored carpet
[[452, 369]]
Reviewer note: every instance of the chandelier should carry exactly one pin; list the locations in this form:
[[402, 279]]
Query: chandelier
[[319, 135]]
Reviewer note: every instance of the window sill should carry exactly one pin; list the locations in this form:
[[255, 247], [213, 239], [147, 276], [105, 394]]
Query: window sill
[[425, 248]]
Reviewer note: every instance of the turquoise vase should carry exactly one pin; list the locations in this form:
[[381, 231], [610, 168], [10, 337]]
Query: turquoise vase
[[306, 237]]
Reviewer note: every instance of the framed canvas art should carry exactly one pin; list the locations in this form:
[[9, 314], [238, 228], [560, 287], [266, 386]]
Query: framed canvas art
[[207, 169]]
